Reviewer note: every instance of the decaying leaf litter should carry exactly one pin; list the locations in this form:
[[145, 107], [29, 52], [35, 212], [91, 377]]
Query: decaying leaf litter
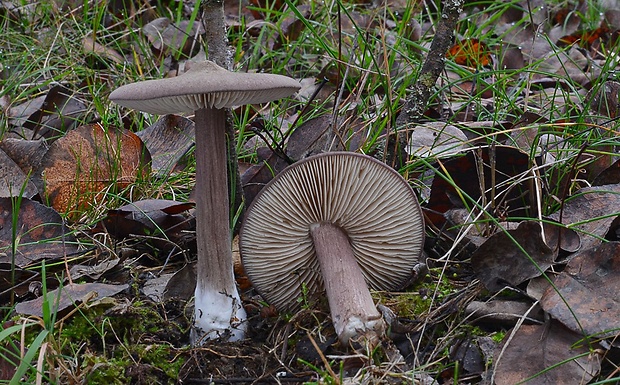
[[511, 152]]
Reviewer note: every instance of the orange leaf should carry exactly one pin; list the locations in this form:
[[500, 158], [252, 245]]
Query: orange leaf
[[585, 39], [89, 161], [471, 53]]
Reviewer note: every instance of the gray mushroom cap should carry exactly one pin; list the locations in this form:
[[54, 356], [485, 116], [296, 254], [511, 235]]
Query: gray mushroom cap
[[204, 85], [370, 201]]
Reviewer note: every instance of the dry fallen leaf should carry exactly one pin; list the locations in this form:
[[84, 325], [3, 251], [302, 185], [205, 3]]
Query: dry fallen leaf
[[90, 45], [166, 222], [40, 233], [168, 140], [319, 135], [590, 285], [590, 211], [15, 281], [504, 313], [535, 350], [494, 174], [26, 153], [470, 53], [182, 284], [13, 179], [49, 115], [309, 138], [66, 296], [610, 175], [94, 271], [500, 260], [258, 175], [88, 162], [435, 139], [167, 37], [604, 100]]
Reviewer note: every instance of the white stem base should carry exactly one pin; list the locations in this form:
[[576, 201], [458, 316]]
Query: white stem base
[[218, 316], [219, 312]]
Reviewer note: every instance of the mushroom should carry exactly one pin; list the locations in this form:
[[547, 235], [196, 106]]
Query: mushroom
[[207, 89], [334, 223]]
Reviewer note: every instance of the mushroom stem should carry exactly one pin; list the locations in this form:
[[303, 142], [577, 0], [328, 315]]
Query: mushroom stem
[[218, 308], [352, 309]]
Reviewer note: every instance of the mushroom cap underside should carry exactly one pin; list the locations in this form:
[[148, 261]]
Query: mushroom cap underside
[[370, 201], [204, 85]]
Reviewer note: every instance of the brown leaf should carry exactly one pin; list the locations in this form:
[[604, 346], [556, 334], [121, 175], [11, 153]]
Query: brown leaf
[[604, 100], [269, 5], [511, 58], [40, 233], [168, 140], [182, 283], [9, 362], [64, 297], [435, 139], [167, 37], [500, 259], [257, 176], [13, 179], [26, 153], [291, 27], [610, 175], [93, 272], [590, 285], [586, 38], [468, 355], [90, 45], [318, 135], [309, 138], [612, 18], [590, 211], [49, 115], [153, 217], [569, 240], [15, 281], [511, 198], [533, 352], [81, 167], [471, 53], [503, 313], [155, 287]]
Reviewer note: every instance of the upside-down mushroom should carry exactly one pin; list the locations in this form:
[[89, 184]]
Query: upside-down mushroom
[[335, 223], [207, 89]]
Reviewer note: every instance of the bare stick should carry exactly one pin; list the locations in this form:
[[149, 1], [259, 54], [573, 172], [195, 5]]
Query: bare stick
[[415, 106]]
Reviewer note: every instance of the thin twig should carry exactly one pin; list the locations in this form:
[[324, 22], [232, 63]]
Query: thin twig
[[434, 64]]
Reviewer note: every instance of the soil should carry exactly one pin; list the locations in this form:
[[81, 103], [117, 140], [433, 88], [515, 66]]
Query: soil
[[275, 350]]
